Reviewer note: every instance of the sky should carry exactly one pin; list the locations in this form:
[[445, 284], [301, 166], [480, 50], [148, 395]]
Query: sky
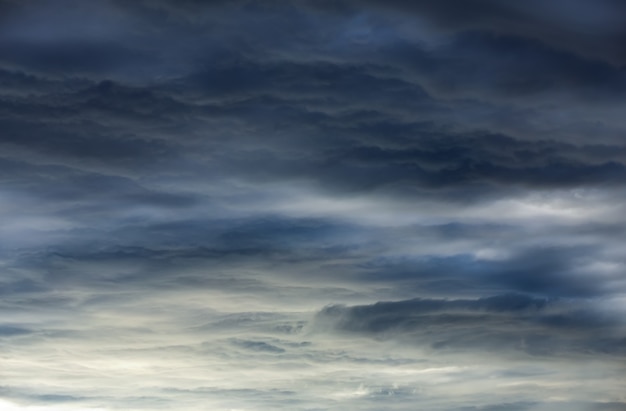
[[312, 205]]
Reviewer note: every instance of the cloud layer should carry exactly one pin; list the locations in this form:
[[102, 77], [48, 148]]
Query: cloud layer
[[317, 205]]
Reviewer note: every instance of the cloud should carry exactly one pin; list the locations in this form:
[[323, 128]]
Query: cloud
[[510, 322], [9, 331], [184, 186], [586, 27]]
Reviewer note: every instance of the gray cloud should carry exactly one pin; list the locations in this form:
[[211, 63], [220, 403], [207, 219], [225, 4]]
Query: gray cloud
[[185, 185], [509, 322], [588, 27]]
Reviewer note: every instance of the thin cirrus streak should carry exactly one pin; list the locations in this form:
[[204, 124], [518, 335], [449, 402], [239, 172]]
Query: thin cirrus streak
[[312, 205]]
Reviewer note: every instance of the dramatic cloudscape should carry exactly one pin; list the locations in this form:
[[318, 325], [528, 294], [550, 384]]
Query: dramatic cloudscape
[[315, 205]]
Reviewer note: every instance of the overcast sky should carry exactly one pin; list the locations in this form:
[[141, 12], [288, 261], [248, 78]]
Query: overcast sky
[[312, 205]]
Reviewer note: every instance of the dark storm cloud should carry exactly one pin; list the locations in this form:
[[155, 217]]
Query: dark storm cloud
[[279, 97], [512, 64], [588, 27], [514, 45], [509, 322], [19, 83], [512, 67], [546, 271], [73, 57], [343, 125], [450, 161]]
